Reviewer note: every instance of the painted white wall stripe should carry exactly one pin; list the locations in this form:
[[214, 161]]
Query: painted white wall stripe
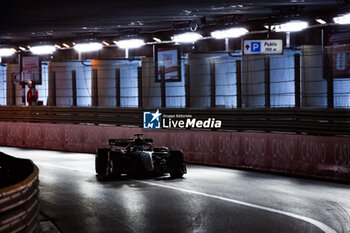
[[322, 226]]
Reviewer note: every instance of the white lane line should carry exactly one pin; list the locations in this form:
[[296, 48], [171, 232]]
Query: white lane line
[[322, 226], [325, 228], [67, 168]]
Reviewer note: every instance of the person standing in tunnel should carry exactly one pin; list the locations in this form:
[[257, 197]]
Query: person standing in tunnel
[[32, 94]]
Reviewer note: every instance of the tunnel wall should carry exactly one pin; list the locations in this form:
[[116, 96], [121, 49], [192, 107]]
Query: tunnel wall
[[175, 91], [10, 70], [225, 79], [106, 82], [313, 83], [317, 156], [63, 83]]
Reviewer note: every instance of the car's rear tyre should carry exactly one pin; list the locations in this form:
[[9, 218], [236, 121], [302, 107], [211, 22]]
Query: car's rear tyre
[[113, 169], [177, 164], [101, 161]]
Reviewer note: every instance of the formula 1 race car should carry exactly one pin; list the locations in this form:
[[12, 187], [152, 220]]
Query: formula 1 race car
[[137, 156]]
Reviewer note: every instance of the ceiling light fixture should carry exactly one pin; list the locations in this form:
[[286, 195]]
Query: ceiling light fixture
[[22, 48], [157, 39], [6, 52], [66, 45], [342, 19], [105, 43], [130, 43], [229, 33], [292, 26], [42, 49], [321, 21], [188, 37], [87, 47]]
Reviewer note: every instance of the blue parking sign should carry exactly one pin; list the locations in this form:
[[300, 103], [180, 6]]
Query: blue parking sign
[[256, 47]]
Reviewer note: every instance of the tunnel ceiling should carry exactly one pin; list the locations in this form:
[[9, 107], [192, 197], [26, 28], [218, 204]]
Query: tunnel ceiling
[[24, 20]]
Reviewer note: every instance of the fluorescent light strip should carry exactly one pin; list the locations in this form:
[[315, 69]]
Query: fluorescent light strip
[[66, 45], [157, 39], [292, 26], [5, 52], [343, 19], [188, 37], [321, 21], [129, 44], [43, 49], [229, 33], [88, 47]]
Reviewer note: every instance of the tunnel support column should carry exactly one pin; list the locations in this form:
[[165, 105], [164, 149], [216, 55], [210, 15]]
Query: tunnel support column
[[297, 80], [330, 92], [139, 86], [13, 89], [187, 86], [53, 88], [162, 86], [267, 83], [239, 83], [117, 87], [212, 86], [74, 88], [95, 89]]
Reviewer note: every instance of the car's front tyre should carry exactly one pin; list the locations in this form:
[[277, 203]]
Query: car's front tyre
[[113, 168], [177, 164], [101, 161]]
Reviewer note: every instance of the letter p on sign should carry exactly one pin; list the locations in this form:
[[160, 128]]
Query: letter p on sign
[[256, 47]]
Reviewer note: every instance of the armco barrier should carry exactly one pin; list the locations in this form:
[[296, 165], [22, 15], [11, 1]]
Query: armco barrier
[[19, 203], [317, 156]]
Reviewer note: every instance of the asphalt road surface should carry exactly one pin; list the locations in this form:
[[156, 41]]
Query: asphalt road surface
[[207, 199]]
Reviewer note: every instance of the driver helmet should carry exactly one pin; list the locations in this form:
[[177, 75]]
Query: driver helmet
[[138, 141]]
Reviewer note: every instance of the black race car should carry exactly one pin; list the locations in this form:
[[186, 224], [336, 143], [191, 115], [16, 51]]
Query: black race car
[[137, 156]]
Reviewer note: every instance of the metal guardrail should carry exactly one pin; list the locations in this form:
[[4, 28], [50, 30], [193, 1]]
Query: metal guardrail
[[309, 121], [19, 203]]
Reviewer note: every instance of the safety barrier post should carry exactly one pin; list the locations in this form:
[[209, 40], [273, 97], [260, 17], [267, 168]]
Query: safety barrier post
[[74, 88], [162, 86], [139, 85], [239, 83], [117, 87], [187, 86], [212, 86]]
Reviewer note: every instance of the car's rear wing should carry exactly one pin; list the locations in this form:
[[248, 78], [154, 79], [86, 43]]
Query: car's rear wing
[[120, 142], [126, 142]]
